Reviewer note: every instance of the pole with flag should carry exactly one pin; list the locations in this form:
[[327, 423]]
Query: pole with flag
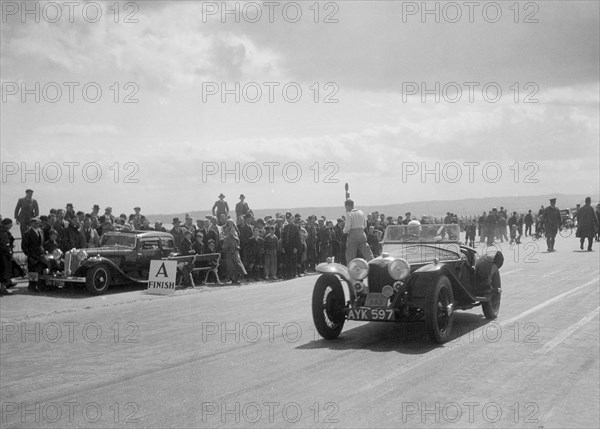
[[347, 193]]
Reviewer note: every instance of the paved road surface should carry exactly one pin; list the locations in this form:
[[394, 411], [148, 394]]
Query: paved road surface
[[249, 357]]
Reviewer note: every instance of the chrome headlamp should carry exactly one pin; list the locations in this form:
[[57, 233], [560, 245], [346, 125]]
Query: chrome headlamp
[[56, 254], [82, 255], [399, 269], [358, 268]]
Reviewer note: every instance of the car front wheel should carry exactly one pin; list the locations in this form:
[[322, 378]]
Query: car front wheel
[[439, 311], [328, 304], [98, 279], [491, 308]]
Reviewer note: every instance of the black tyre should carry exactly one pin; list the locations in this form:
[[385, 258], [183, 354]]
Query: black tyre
[[491, 308], [98, 279], [328, 304], [439, 310]]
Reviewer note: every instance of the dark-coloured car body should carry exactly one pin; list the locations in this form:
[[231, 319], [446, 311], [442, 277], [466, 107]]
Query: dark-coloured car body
[[424, 274], [123, 257]]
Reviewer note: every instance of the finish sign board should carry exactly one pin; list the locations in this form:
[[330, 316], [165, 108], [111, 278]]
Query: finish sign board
[[161, 279]]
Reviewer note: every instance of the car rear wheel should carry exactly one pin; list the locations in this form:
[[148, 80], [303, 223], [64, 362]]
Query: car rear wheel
[[98, 279], [439, 311], [328, 304], [491, 308]]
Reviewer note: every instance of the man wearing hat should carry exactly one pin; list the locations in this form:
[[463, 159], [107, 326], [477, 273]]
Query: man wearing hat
[[33, 247], [70, 211], [108, 215], [137, 219], [177, 232], [552, 221], [220, 207], [26, 208], [242, 208]]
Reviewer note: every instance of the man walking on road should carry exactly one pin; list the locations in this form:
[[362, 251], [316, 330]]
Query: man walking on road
[[587, 224], [552, 222], [356, 222]]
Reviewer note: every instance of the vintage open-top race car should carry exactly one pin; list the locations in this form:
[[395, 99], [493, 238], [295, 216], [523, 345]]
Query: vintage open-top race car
[[424, 274], [123, 257]]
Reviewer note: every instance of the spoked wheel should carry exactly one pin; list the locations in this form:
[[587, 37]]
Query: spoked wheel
[[439, 310], [98, 279], [328, 304], [491, 308]]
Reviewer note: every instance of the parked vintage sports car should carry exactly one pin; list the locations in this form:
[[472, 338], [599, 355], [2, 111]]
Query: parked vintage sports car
[[424, 274], [123, 257]]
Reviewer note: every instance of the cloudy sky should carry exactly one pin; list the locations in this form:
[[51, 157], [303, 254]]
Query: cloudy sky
[[149, 103]]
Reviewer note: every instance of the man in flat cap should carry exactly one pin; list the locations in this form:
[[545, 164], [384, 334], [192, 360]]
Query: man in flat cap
[[552, 222], [26, 208]]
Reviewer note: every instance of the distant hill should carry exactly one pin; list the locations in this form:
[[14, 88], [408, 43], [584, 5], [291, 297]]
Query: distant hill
[[466, 207]]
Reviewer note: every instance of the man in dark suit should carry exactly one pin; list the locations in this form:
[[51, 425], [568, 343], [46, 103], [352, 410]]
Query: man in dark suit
[[33, 247], [242, 208], [291, 243], [220, 207], [26, 208]]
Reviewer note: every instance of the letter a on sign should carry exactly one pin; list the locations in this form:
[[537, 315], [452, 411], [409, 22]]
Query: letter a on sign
[[161, 279], [162, 270]]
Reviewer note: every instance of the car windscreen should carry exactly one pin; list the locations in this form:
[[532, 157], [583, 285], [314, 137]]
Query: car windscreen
[[423, 253], [422, 233], [125, 240]]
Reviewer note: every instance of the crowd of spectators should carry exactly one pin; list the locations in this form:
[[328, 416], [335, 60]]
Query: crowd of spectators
[[281, 246]]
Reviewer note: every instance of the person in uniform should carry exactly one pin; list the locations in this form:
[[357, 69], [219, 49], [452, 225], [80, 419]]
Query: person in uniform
[[7, 264], [528, 222], [292, 245], [356, 222], [552, 221], [26, 208], [587, 224]]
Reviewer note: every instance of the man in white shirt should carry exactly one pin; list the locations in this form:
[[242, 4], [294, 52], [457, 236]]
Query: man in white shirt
[[356, 222]]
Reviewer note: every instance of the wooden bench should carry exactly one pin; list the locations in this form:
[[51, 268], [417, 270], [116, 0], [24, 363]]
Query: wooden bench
[[212, 260]]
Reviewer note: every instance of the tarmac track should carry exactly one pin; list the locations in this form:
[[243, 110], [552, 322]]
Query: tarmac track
[[249, 357]]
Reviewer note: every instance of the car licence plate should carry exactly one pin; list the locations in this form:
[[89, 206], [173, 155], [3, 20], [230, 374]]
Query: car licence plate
[[376, 300], [371, 314]]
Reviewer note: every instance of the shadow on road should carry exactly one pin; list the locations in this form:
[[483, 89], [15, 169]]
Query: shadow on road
[[406, 338]]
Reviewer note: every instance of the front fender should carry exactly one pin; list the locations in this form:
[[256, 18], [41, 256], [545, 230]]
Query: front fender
[[97, 260], [334, 268], [341, 271]]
